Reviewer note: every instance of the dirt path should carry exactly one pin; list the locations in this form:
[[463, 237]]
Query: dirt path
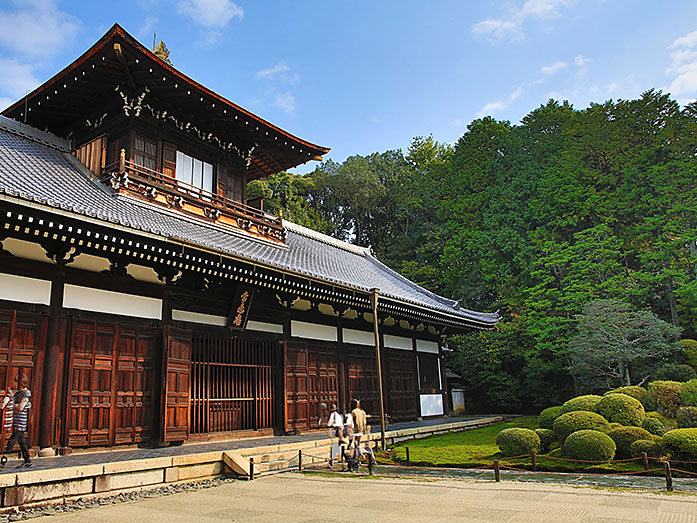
[[293, 497]]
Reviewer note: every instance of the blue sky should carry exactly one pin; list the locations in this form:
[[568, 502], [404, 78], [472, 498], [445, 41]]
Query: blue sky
[[363, 77]]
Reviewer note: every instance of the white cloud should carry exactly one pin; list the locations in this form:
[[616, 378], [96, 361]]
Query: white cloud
[[148, 27], [500, 105], [285, 101], [211, 14], [374, 119], [551, 70], [581, 60], [16, 78], [684, 67], [497, 29], [276, 70], [37, 28]]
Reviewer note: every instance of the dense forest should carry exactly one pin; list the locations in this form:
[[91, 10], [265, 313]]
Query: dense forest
[[536, 220]]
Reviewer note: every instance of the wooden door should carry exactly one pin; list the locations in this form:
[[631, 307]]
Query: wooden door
[[297, 408], [323, 381], [110, 384], [22, 334], [362, 380], [402, 385], [176, 365]]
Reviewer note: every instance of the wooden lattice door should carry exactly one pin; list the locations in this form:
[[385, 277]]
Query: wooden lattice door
[[177, 370], [402, 384], [362, 373], [22, 337], [297, 408]]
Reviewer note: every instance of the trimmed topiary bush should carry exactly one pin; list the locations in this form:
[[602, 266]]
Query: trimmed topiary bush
[[578, 420], [546, 438], [587, 402], [615, 425], [688, 354], [681, 444], [625, 436], [654, 426], [620, 408], [636, 392], [688, 393], [686, 417], [652, 448], [666, 395], [589, 445], [649, 403], [547, 417], [516, 441], [676, 372]]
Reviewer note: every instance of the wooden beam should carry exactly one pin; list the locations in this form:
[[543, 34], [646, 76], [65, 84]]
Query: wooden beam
[[124, 66]]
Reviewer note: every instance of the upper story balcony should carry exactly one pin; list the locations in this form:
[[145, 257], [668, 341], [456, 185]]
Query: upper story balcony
[[127, 177]]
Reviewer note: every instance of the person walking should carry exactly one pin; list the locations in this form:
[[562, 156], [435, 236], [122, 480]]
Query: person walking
[[336, 430], [360, 424], [21, 408]]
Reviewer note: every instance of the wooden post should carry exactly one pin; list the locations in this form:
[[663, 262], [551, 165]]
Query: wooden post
[[374, 302], [50, 386], [645, 460], [497, 471], [251, 469], [669, 478], [370, 466], [122, 161], [300, 460], [533, 455], [408, 462]]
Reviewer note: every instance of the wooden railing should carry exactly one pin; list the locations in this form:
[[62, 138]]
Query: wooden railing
[[126, 175]]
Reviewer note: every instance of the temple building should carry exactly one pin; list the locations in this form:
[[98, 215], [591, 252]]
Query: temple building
[[148, 301]]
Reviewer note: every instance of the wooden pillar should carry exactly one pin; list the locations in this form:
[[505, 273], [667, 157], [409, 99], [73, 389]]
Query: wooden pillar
[[417, 378], [158, 368], [374, 302], [51, 379], [341, 367], [443, 379]]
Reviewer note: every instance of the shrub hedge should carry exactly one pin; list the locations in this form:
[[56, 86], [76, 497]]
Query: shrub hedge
[[654, 426], [620, 408], [547, 417], [587, 403], [636, 392], [652, 448], [546, 438], [686, 417], [578, 420], [681, 444], [516, 441], [676, 372], [625, 436], [666, 395], [688, 393], [590, 445]]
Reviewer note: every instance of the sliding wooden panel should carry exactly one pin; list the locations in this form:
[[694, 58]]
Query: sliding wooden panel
[[363, 378], [176, 365], [297, 408], [402, 384]]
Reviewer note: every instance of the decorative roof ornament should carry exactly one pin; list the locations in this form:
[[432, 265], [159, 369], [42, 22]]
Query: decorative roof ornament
[[160, 50]]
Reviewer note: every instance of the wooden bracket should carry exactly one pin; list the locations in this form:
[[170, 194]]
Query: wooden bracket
[[124, 66]]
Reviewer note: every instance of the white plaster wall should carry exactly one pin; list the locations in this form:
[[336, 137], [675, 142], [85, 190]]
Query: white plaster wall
[[261, 326], [313, 331], [431, 404], [358, 337], [427, 346], [198, 317], [397, 342], [98, 300], [27, 290]]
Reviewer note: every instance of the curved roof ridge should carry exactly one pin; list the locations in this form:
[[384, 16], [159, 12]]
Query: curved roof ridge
[[324, 238], [35, 135]]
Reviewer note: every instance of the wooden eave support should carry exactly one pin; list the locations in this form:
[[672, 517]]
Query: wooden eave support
[[124, 66]]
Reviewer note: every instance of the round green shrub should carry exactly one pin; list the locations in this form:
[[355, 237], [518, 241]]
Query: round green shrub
[[546, 438], [676, 372], [688, 393], [615, 425], [516, 441], [688, 354], [649, 403], [578, 420], [587, 402], [666, 395], [652, 448], [625, 436], [686, 417], [636, 392], [547, 417], [589, 445], [681, 444], [654, 426], [620, 408]]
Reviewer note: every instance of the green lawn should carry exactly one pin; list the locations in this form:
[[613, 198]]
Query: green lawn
[[474, 448]]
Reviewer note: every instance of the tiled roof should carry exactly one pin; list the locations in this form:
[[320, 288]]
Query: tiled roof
[[32, 162]]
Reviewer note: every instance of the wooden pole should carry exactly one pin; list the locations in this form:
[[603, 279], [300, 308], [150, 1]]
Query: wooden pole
[[122, 161], [669, 477], [408, 462], [533, 455], [370, 466], [497, 471], [374, 302], [300, 460], [645, 460], [251, 469]]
